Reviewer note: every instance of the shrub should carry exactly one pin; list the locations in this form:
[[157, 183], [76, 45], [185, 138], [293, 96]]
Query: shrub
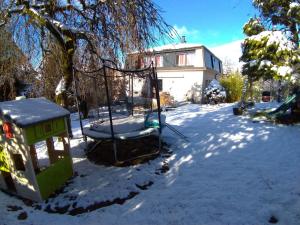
[[233, 84]]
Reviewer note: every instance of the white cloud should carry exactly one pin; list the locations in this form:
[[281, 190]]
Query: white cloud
[[229, 52], [183, 31]]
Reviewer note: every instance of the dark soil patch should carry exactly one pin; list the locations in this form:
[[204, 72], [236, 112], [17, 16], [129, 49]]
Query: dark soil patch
[[273, 220], [288, 119], [59, 210], [28, 202], [130, 151], [22, 216], [14, 208], [145, 186], [98, 205], [164, 168], [73, 210]]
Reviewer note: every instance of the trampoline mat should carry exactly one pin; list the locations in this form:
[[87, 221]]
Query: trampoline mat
[[120, 125]]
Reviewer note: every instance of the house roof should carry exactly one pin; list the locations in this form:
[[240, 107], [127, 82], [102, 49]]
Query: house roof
[[176, 47], [30, 111]]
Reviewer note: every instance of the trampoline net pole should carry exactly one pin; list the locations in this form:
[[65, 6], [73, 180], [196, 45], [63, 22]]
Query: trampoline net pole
[[109, 112], [157, 97], [77, 105]]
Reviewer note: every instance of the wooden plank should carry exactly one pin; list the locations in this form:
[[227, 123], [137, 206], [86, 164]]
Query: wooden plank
[[34, 159], [50, 148]]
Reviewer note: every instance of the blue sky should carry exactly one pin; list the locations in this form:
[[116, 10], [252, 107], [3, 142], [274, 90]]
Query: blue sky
[[208, 22]]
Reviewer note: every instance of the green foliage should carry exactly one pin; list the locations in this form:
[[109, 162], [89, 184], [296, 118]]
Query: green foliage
[[281, 13], [233, 84], [253, 27], [267, 54]]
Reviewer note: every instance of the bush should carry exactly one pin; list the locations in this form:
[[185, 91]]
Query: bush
[[233, 84]]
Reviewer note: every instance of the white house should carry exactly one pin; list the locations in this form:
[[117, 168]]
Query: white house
[[183, 69]]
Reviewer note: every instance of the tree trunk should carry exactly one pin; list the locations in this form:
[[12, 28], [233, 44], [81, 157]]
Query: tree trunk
[[279, 91], [295, 35], [251, 89], [69, 48], [62, 98]]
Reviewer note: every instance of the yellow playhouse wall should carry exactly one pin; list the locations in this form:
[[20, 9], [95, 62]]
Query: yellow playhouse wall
[[24, 181]]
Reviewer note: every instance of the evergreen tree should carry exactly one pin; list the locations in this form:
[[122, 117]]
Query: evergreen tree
[[267, 53], [282, 13]]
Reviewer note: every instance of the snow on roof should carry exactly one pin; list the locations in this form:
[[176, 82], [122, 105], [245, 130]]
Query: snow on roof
[[175, 47], [26, 112]]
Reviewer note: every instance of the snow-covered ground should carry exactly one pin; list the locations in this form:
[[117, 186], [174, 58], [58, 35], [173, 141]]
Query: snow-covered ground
[[232, 171]]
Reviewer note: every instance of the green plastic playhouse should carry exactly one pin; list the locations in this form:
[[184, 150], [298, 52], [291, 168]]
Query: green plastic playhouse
[[28, 125]]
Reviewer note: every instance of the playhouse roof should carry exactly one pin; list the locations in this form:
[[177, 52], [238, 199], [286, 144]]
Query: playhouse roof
[[30, 111]]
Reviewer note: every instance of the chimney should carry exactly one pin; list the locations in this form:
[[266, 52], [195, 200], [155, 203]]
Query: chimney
[[183, 40]]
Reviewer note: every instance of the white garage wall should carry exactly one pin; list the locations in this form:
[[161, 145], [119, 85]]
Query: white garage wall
[[182, 85]]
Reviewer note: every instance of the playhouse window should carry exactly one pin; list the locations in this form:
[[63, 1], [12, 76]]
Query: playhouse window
[[41, 155], [45, 153], [18, 161]]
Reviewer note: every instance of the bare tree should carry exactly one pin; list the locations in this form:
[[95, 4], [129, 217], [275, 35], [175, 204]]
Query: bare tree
[[109, 27], [15, 69]]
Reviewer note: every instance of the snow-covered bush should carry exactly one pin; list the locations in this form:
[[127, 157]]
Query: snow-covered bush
[[215, 92]]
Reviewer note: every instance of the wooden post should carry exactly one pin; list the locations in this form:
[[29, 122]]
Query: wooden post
[[66, 144], [50, 148], [34, 158]]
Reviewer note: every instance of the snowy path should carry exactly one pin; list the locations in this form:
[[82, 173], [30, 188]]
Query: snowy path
[[232, 171]]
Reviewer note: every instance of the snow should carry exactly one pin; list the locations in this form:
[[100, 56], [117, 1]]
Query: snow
[[283, 70], [175, 46], [253, 63], [26, 112], [294, 5], [232, 171], [274, 37], [215, 91], [265, 63], [61, 87], [98, 135], [120, 125]]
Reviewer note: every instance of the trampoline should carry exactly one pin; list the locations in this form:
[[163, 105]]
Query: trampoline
[[130, 108]]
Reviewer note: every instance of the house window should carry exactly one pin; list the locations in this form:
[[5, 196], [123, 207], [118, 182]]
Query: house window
[[158, 61], [147, 61], [141, 62], [212, 61], [18, 161], [181, 59], [185, 59], [190, 59]]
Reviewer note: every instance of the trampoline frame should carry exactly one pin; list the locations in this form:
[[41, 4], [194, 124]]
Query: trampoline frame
[[99, 136]]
